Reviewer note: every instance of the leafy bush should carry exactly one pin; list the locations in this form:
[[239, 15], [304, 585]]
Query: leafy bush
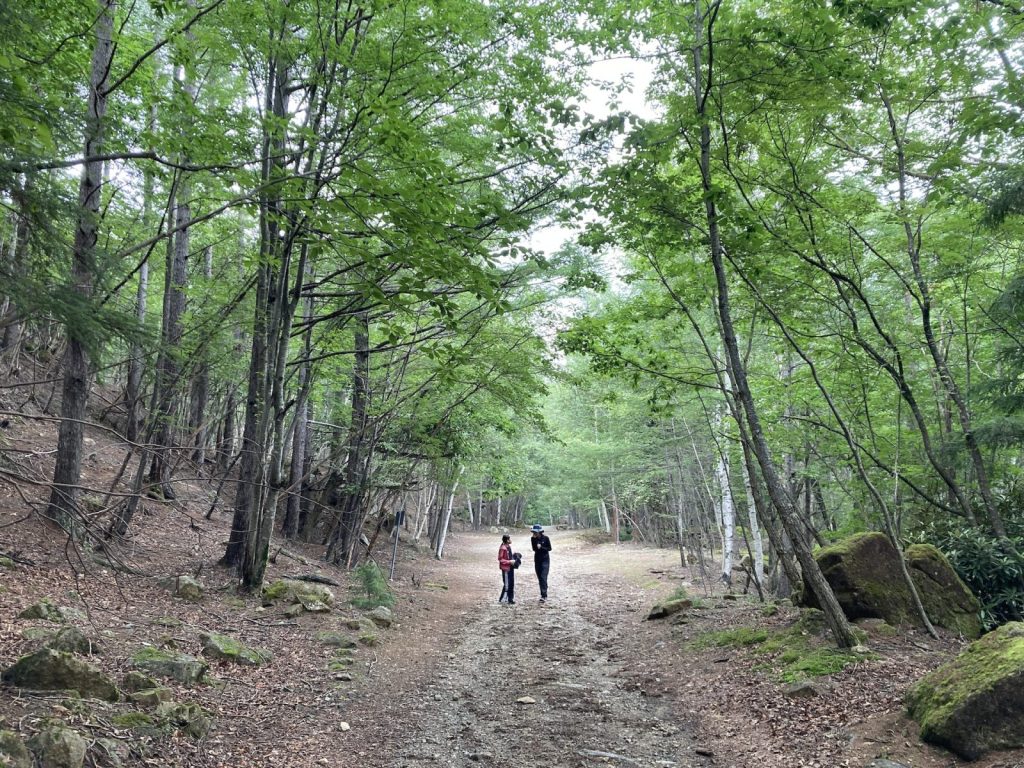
[[993, 569], [372, 580]]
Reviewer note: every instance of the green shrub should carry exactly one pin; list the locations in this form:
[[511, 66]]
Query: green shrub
[[992, 568], [373, 583]]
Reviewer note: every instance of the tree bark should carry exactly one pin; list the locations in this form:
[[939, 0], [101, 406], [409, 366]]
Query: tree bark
[[62, 506], [834, 616]]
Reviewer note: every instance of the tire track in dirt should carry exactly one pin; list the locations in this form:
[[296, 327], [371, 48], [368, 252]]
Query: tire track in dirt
[[571, 656]]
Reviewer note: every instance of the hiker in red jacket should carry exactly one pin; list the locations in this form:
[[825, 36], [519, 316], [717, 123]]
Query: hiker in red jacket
[[506, 561]]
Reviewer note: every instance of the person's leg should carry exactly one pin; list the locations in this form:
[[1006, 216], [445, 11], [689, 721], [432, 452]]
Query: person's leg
[[511, 586], [542, 577], [504, 586]]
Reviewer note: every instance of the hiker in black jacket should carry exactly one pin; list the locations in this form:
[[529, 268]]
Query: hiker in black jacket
[[541, 559]]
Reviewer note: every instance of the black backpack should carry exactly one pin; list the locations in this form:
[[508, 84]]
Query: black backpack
[[517, 560]]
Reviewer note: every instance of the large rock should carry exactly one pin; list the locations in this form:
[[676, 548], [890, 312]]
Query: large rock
[[948, 601], [177, 666], [974, 703], [225, 648], [13, 752], [50, 670], [73, 640], [184, 587], [59, 747], [864, 572], [294, 591], [46, 610]]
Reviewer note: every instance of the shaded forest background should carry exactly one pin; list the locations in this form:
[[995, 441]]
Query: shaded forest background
[[282, 248]]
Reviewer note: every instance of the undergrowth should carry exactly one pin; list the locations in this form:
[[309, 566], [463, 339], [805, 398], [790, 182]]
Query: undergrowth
[[373, 583], [791, 654]]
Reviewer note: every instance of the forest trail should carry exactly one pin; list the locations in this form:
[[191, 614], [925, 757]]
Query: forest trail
[[574, 657]]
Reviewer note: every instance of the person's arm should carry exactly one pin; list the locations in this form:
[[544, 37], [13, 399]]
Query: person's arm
[[533, 543], [547, 543]]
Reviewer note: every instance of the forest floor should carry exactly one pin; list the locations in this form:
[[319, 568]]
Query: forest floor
[[604, 686]]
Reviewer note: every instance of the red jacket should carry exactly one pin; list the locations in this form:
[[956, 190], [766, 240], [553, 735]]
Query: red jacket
[[505, 560]]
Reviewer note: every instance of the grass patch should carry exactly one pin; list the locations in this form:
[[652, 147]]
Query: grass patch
[[740, 637], [815, 662], [374, 585], [789, 654]]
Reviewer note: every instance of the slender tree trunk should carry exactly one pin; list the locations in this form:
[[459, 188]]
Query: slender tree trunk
[[727, 513], [300, 461], [913, 244], [75, 391], [199, 398], [10, 317], [834, 616], [357, 462], [447, 516]]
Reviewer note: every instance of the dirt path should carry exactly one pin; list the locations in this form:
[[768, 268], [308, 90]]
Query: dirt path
[[571, 656]]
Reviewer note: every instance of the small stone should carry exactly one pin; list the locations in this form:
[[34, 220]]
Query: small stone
[[526, 700], [45, 609], [227, 648], [151, 697], [72, 640], [6, 562], [803, 690], [184, 587], [336, 640], [345, 726], [344, 677], [177, 666], [381, 616], [881, 763], [49, 670], [136, 681]]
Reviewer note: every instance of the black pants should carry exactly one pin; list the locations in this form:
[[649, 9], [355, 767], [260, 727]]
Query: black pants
[[508, 586], [541, 566]]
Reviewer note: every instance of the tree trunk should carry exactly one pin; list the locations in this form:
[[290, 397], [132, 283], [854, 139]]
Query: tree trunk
[[446, 518], [834, 616], [197, 422], [75, 390], [355, 475]]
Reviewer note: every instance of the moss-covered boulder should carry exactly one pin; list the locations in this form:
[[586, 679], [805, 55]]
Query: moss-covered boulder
[[948, 601], [381, 616], [865, 574], [50, 670], [293, 591], [225, 648], [177, 666], [136, 681], [142, 724], [361, 624], [336, 639], [57, 746], [974, 703], [73, 640], [13, 752], [45, 609], [151, 697], [667, 608], [188, 718], [184, 587], [6, 562]]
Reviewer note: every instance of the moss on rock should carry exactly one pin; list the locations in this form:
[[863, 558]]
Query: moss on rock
[[58, 746], [50, 670], [13, 752], [227, 648], [972, 704], [865, 574], [177, 666], [947, 600]]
